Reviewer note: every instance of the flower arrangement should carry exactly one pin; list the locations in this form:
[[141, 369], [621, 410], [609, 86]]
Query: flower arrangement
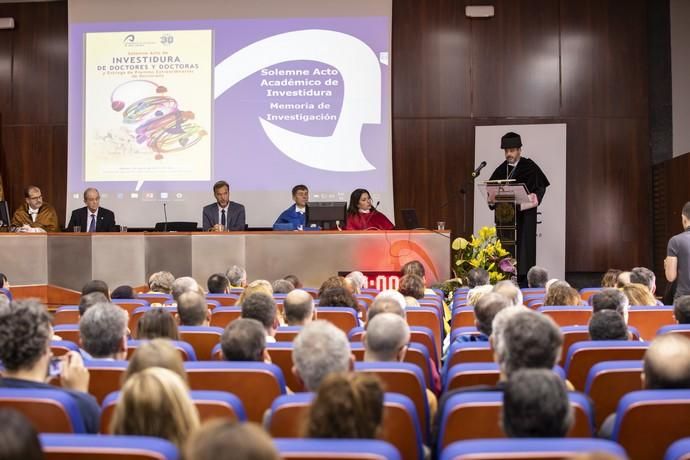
[[482, 251]]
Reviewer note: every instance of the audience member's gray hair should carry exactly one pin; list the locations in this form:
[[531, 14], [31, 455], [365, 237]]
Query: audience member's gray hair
[[386, 334], [611, 299], [486, 310], [526, 339], [282, 286], [475, 294], [237, 275], [392, 294], [359, 279], [102, 329], [510, 290], [319, 350], [192, 309], [4, 302], [89, 300], [385, 305], [477, 277], [161, 282], [644, 276], [537, 277], [182, 285], [243, 340]]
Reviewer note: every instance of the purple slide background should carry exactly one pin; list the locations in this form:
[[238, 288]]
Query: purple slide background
[[243, 154]]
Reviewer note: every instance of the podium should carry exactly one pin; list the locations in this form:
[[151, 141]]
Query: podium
[[506, 197]]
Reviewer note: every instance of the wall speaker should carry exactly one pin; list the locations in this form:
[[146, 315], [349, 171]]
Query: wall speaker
[[479, 11], [6, 23]]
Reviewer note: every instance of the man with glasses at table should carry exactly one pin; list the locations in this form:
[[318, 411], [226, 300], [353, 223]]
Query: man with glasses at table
[[35, 215]]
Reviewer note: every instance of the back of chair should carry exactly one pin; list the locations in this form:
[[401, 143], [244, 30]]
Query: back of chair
[[529, 448], [582, 356], [49, 411], [155, 297], [608, 382], [105, 377], [586, 294], [62, 347], [572, 335], [138, 312], [649, 421], [425, 336], [427, 317], [679, 450], [648, 320], [469, 352], [222, 316], [67, 314], [225, 300], [287, 333], [281, 356], [568, 316], [418, 355], [89, 447], [406, 379], [68, 332], [344, 318], [186, 350], [130, 304], [683, 329], [462, 317], [342, 449], [256, 384], [471, 374], [202, 339]]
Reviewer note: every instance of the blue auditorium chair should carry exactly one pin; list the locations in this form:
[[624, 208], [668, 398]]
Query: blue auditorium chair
[[130, 304], [257, 384], [529, 448], [564, 315], [50, 411], [186, 350], [202, 339], [222, 316], [344, 318], [608, 382], [287, 333], [649, 421], [471, 374], [650, 319], [62, 347], [342, 449], [105, 376], [210, 404], [155, 297], [66, 314], [679, 450], [224, 300], [88, 447], [683, 329], [68, 332], [583, 355]]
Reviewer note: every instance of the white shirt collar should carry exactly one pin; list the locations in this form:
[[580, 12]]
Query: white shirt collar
[[300, 210]]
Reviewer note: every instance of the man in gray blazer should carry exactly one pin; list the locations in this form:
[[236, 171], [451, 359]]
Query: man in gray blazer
[[223, 214]]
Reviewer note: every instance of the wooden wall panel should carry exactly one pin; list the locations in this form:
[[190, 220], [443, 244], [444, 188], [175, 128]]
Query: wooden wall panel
[[604, 58], [515, 60]]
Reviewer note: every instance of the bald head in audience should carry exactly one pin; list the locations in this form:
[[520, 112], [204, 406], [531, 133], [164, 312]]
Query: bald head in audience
[[393, 295], [299, 308], [386, 338], [184, 284], [385, 305], [192, 309], [510, 290], [667, 363], [320, 349]]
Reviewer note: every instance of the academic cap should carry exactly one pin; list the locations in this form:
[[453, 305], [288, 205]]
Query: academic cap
[[511, 140]]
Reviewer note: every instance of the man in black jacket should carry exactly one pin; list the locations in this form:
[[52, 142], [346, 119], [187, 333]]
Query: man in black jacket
[[92, 218]]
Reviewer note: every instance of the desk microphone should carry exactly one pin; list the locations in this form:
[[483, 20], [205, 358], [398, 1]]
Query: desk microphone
[[475, 173], [165, 216]]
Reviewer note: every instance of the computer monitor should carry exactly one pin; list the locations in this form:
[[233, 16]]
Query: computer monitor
[[4, 214], [410, 219], [176, 227], [326, 214]]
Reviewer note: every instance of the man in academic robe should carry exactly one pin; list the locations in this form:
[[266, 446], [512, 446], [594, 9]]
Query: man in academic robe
[[223, 214], [295, 217], [524, 171], [35, 215], [92, 217]]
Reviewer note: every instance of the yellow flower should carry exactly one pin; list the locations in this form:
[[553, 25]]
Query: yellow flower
[[459, 244]]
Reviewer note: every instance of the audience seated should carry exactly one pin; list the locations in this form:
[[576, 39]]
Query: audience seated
[[299, 308], [122, 292], [156, 353], [666, 366], [561, 293], [536, 405], [25, 334], [319, 350], [294, 280], [237, 276], [412, 286], [224, 440], [192, 309], [611, 299], [477, 277], [608, 325], [261, 286], [244, 340], [262, 308], [155, 402], [645, 277], [96, 286], [161, 282], [338, 297], [183, 285], [18, 437], [156, 323], [103, 331], [537, 277], [681, 309], [218, 283], [359, 281], [610, 278], [89, 300], [282, 286], [346, 406], [639, 294], [510, 290]]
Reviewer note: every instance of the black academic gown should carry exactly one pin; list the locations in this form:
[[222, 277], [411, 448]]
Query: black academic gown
[[526, 172]]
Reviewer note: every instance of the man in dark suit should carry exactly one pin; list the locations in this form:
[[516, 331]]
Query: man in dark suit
[[223, 214], [92, 218]]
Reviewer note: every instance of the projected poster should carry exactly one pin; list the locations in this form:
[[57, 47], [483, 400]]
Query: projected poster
[[148, 116], [268, 104]]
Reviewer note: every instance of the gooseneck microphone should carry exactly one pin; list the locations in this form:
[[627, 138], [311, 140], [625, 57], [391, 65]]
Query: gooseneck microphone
[[475, 173], [165, 216]]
